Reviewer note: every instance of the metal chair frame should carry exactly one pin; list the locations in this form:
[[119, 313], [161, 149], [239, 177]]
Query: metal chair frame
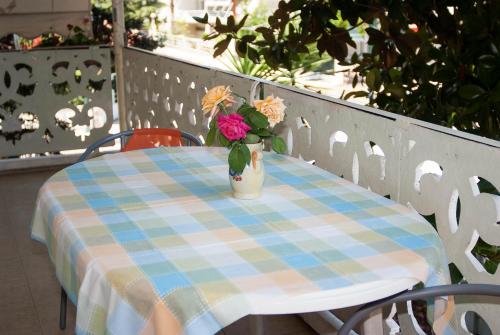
[[190, 140], [425, 293]]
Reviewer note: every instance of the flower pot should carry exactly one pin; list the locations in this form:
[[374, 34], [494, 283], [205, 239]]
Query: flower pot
[[248, 185]]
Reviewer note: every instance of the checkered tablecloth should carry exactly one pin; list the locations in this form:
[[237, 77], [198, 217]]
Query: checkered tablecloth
[[151, 241]]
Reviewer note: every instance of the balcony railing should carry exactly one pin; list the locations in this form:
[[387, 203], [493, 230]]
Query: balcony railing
[[54, 100], [439, 172]]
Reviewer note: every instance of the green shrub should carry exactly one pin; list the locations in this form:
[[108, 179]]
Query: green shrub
[[438, 61]]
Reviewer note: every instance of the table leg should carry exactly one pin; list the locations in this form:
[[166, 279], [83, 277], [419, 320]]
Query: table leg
[[62, 309], [373, 325]]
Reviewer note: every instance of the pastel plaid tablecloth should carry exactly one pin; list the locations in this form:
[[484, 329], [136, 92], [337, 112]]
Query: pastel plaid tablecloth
[[151, 241]]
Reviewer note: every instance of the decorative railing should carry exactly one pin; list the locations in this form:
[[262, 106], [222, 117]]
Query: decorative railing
[[53, 100], [448, 176]]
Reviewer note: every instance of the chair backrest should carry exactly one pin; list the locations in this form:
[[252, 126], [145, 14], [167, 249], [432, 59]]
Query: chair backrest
[[145, 138], [152, 138]]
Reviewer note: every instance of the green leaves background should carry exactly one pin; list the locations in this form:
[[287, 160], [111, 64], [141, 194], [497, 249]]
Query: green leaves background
[[437, 61]]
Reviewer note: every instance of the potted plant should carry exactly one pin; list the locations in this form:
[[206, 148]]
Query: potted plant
[[243, 131]]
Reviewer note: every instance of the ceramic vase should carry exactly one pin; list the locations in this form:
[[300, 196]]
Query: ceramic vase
[[248, 185]]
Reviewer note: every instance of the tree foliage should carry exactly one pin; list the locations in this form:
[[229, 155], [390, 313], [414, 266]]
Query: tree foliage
[[138, 15], [438, 61], [137, 12]]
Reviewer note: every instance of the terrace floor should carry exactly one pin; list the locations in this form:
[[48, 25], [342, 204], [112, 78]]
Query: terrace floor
[[29, 292]]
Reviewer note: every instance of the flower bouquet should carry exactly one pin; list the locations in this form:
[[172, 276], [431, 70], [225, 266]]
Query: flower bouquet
[[243, 131]]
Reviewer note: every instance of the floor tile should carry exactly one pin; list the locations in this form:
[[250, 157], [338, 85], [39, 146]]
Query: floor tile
[[272, 325], [17, 311], [8, 247]]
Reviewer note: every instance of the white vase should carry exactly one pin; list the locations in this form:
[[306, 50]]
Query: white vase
[[248, 185]]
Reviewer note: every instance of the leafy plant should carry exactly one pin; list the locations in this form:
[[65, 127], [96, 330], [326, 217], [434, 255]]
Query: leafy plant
[[438, 61], [300, 69], [244, 65]]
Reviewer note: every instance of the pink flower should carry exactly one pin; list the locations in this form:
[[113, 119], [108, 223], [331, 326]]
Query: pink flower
[[232, 126]]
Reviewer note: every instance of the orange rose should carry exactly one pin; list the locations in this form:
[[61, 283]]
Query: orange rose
[[214, 97], [273, 108]]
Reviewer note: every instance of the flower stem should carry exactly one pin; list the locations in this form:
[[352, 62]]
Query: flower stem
[[223, 108]]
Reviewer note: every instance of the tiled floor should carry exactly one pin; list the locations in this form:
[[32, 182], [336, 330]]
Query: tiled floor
[[29, 292]]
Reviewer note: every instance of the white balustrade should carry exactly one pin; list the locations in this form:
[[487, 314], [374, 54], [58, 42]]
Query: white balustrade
[[432, 169], [53, 100]]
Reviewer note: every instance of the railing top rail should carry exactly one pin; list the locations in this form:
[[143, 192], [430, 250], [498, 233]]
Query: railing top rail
[[64, 47], [403, 121]]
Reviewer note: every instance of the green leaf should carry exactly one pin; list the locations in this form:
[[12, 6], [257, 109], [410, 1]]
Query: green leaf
[[252, 138], [375, 36], [495, 93], [211, 36], [445, 75], [355, 94], [221, 46], [241, 48], [490, 267], [241, 23], [211, 136], [373, 79], [203, 19], [231, 23], [246, 153], [395, 75], [236, 159], [253, 55], [248, 38], [408, 43], [263, 132], [456, 276], [470, 91], [257, 120], [223, 140], [355, 81], [270, 58], [321, 44], [267, 33], [491, 60], [395, 90], [337, 48], [278, 145], [488, 73], [219, 27], [246, 109]]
